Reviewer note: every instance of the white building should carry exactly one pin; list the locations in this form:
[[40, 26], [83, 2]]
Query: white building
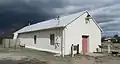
[[58, 34]]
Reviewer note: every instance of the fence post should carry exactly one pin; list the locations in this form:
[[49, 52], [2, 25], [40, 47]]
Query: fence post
[[77, 48], [72, 49], [108, 48], [9, 43], [15, 43], [4, 43]]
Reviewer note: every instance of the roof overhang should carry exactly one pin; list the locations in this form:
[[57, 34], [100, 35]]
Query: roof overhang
[[62, 27]]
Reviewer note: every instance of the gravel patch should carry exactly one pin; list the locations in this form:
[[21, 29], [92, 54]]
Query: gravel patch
[[20, 60]]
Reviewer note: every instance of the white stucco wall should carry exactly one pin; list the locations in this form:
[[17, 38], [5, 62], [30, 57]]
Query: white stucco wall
[[75, 30], [42, 41]]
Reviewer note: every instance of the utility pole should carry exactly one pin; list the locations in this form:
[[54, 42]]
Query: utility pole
[[29, 24], [57, 33], [58, 37]]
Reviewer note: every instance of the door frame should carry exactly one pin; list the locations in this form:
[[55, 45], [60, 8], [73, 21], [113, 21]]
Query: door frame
[[87, 36]]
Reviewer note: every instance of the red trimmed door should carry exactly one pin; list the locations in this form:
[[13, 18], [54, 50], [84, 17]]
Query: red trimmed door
[[85, 44]]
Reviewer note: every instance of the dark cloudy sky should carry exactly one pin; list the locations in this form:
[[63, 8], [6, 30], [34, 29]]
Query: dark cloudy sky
[[20, 12]]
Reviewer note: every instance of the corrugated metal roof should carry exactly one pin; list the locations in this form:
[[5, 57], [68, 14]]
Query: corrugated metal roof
[[63, 21]]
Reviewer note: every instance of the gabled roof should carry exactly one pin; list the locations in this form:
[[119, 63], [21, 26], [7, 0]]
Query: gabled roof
[[63, 21]]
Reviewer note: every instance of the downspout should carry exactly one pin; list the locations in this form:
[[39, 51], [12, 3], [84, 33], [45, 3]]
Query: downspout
[[63, 43]]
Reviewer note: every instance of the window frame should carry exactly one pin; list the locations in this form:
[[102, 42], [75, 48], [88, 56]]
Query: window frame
[[52, 39], [35, 39]]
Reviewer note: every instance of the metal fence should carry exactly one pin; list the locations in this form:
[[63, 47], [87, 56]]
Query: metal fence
[[112, 47], [10, 43]]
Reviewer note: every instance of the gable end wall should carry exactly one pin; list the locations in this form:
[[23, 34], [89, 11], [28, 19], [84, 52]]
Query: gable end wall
[[75, 30]]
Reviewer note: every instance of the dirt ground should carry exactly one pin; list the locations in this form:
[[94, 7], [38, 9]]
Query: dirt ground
[[29, 56]]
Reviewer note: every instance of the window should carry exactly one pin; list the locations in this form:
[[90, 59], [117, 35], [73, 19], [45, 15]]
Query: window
[[35, 39], [87, 19], [52, 39]]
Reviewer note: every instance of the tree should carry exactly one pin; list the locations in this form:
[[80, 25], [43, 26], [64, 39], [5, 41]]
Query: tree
[[102, 39], [116, 39], [113, 40], [116, 36]]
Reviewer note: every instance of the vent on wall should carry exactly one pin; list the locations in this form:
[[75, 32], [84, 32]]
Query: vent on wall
[[87, 19]]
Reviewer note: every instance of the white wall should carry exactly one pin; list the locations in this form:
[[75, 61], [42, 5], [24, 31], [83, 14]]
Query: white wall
[[42, 41], [75, 30], [72, 35]]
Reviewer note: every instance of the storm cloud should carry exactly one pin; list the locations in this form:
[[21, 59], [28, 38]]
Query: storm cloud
[[21, 12]]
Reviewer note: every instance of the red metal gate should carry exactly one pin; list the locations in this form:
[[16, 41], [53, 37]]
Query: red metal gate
[[85, 44]]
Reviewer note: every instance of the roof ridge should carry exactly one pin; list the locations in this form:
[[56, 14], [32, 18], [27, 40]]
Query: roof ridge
[[64, 20]]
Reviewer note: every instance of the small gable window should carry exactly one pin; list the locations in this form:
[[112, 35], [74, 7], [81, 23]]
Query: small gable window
[[87, 19]]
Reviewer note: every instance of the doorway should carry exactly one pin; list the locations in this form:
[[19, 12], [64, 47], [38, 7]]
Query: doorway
[[85, 44]]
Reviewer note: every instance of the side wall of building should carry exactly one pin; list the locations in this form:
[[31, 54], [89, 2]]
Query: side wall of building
[[79, 27], [42, 40]]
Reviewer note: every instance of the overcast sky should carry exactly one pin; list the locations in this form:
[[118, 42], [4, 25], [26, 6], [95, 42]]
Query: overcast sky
[[20, 12]]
